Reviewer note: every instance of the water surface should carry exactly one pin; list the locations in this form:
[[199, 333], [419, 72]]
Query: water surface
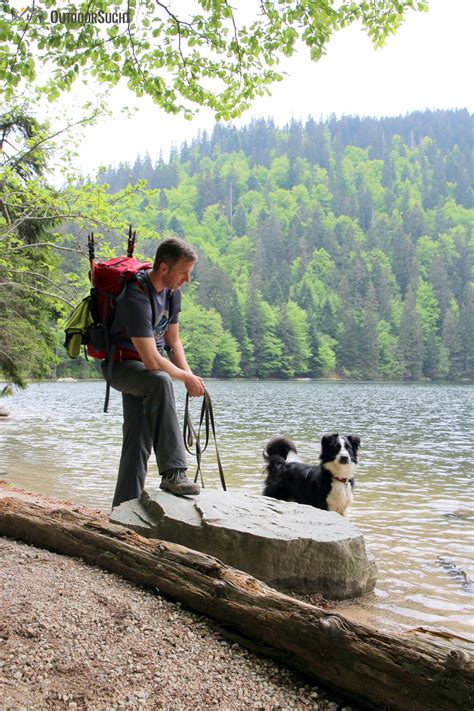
[[413, 497]]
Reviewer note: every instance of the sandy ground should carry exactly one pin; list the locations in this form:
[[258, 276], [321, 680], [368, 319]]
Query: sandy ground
[[75, 637]]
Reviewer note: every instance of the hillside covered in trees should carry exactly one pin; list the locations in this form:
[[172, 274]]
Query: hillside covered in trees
[[339, 248]]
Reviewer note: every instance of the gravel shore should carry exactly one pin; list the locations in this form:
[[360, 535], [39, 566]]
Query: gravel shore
[[75, 637]]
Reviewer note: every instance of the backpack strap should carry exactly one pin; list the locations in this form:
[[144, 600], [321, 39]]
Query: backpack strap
[[143, 279], [110, 345], [168, 348], [110, 348]]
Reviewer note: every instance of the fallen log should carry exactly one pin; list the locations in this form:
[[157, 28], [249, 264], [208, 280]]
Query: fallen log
[[375, 669]]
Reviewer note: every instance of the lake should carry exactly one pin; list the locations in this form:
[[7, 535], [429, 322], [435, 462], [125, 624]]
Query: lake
[[413, 496]]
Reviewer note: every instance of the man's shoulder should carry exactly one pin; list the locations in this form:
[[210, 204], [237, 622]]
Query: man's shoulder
[[175, 297], [137, 293]]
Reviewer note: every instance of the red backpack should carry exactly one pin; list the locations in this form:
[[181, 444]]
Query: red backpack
[[92, 320], [109, 281]]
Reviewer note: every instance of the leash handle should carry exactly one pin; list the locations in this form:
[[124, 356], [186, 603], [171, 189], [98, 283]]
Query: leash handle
[[190, 436], [219, 463]]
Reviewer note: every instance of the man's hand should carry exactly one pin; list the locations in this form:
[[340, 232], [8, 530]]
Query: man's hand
[[176, 367], [194, 385]]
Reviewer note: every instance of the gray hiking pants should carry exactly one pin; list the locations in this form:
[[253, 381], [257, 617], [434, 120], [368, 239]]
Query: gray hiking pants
[[149, 421]]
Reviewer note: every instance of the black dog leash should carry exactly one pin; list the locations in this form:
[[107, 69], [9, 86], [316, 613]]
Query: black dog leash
[[190, 437]]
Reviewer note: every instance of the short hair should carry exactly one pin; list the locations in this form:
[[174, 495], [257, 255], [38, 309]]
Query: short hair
[[172, 250]]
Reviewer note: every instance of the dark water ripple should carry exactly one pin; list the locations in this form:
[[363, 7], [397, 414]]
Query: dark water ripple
[[413, 498]]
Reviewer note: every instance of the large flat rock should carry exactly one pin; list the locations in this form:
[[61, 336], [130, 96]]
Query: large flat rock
[[287, 545]]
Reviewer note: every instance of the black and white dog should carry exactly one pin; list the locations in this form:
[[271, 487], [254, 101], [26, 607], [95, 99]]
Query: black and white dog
[[327, 485]]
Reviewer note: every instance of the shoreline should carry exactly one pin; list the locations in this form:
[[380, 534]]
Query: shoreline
[[77, 637], [99, 379]]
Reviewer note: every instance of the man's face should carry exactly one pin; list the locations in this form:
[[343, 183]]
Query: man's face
[[180, 273]]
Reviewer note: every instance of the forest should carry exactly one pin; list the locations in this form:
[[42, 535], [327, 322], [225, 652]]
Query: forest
[[338, 248], [332, 248]]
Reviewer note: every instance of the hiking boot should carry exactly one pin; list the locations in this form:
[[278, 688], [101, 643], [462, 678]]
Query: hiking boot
[[176, 482]]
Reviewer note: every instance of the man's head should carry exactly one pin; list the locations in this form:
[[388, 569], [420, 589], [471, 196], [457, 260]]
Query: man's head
[[174, 262]]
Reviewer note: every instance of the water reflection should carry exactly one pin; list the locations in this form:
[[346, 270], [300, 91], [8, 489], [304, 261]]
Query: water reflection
[[414, 476]]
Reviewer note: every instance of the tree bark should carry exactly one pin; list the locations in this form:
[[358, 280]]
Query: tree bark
[[375, 669]]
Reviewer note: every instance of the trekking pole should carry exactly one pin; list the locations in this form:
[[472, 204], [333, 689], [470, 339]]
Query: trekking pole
[[91, 247], [132, 236]]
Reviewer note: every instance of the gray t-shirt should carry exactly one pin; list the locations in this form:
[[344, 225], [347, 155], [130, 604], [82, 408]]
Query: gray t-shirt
[[133, 318]]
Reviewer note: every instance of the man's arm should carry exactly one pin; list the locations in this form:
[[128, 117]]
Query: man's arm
[[178, 369], [177, 356], [173, 340]]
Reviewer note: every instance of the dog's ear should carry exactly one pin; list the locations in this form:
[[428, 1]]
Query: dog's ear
[[355, 442], [327, 440]]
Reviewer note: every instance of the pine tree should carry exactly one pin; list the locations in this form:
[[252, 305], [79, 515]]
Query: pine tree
[[207, 193], [262, 326], [452, 338], [467, 332], [240, 220], [368, 355], [294, 334], [175, 227], [411, 339]]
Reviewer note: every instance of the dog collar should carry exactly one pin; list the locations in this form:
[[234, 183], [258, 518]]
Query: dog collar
[[344, 481]]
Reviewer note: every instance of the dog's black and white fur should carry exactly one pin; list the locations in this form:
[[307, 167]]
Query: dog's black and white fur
[[327, 485]]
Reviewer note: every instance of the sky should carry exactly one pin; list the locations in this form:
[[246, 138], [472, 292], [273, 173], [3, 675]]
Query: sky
[[426, 65]]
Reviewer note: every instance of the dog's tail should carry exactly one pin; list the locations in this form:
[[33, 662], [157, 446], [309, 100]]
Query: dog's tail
[[279, 447]]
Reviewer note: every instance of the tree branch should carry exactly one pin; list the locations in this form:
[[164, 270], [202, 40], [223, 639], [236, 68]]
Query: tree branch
[[132, 45], [25, 30], [236, 37], [7, 356], [28, 287], [5, 213], [49, 244], [190, 25], [40, 276], [22, 157]]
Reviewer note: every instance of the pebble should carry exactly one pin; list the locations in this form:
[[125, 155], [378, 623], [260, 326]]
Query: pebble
[[91, 646]]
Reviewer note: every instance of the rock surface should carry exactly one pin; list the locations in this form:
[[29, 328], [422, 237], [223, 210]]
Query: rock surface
[[287, 545]]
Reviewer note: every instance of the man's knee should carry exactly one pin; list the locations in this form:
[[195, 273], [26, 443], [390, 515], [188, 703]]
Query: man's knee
[[160, 391], [160, 381]]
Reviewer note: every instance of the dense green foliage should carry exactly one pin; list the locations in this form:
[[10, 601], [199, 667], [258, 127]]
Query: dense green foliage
[[334, 249], [28, 208], [338, 248], [207, 53], [36, 285]]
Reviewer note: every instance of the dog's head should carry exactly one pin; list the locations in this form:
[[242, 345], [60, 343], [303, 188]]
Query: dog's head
[[339, 454]]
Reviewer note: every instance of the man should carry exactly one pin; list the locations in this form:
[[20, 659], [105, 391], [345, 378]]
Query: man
[[144, 376]]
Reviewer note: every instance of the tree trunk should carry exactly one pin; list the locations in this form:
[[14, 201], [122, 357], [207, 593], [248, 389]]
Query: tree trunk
[[375, 669]]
